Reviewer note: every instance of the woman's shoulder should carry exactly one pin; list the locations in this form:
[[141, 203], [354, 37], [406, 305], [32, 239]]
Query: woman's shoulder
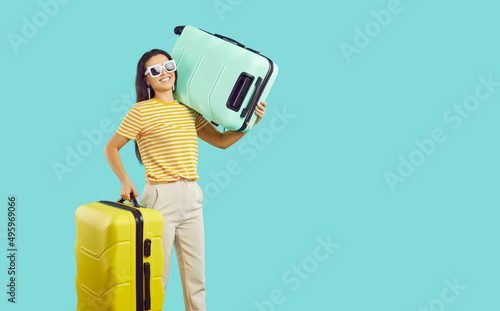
[[144, 103]]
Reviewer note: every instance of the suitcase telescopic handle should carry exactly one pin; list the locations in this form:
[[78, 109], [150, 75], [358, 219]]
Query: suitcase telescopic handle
[[235, 42], [134, 201], [230, 40]]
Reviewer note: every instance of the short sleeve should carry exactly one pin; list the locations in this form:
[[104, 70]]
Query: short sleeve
[[200, 121], [131, 125]]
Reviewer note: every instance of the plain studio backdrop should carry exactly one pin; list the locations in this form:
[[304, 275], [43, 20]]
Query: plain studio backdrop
[[371, 183]]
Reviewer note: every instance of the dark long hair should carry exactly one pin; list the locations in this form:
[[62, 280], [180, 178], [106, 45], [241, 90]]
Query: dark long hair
[[141, 87]]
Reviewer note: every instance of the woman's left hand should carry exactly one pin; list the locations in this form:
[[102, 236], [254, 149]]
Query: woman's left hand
[[260, 111]]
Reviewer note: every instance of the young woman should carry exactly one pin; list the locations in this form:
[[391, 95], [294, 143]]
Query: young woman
[[166, 134]]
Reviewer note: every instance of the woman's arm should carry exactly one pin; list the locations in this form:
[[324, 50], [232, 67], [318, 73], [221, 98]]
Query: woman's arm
[[112, 154], [211, 134]]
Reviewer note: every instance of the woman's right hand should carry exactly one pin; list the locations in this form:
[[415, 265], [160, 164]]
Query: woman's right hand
[[127, 189]]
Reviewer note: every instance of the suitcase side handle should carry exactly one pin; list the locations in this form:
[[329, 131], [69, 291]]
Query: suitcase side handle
[[239, 92]]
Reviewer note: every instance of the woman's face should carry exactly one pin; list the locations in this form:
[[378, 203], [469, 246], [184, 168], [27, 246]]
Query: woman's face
[[163, 82]]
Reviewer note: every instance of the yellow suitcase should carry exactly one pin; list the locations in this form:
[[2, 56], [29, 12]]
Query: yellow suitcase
[[119, 257]]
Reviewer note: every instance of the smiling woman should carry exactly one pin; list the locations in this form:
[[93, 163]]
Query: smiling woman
[[162, 79], [166, 134]]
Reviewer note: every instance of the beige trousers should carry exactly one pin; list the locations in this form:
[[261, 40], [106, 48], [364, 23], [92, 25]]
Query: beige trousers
[[180, 204]]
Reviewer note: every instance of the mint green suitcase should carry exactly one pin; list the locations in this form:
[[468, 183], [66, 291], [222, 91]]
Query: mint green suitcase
[[221, 78]]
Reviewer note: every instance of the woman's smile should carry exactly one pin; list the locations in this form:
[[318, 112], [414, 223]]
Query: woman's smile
[[165, 79]]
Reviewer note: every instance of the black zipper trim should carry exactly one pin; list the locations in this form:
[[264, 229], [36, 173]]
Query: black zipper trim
[[139, 221]]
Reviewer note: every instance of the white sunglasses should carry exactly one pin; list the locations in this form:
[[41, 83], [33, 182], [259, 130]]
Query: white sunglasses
[[156, 70]]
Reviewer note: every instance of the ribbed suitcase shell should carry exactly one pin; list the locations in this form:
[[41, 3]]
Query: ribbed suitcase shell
[[107, 256], [209, 71]]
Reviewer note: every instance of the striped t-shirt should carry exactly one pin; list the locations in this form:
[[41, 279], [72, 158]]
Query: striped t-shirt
[[167, 139]]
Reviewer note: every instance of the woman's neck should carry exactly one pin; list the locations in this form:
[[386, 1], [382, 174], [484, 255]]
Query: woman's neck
[[166, 97]]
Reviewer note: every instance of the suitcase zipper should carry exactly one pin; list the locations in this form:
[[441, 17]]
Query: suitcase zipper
[[147, 276]]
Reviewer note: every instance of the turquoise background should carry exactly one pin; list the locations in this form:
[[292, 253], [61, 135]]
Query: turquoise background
[[313, 170]]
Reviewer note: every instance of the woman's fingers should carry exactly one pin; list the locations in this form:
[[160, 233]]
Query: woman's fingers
[[261, 109], [127, 189], [125, 196]]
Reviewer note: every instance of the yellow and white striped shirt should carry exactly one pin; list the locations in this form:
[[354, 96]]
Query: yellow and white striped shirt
[[167, 139]]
